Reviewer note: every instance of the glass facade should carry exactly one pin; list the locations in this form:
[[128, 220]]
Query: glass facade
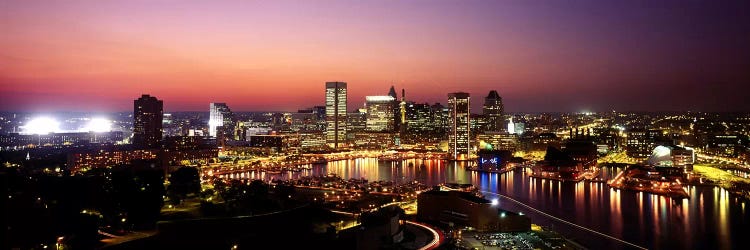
[[335, 114], [460, 125], [219, 116], [380, 113]]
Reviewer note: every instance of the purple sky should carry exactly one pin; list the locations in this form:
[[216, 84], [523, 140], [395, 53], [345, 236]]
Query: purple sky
[[276, 55]]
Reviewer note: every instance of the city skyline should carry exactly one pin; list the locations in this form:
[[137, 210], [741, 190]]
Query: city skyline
[[407, 124], [540, 57]]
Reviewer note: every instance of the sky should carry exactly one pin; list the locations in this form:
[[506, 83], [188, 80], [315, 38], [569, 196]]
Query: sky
[[541, 56]]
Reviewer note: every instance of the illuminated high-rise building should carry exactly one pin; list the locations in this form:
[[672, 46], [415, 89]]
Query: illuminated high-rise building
[[401, 120], [220, 119], [380, 113], [460, 125], [419, 117], [148, 113], [335, 114], [493, 111], [440, 117], [357, 121], [399, 108]]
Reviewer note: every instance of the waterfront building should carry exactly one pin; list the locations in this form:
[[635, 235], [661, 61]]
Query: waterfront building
[[374, 140], [419, 117], [312, 140], [673, 156], [640, 142], [494, 140], [336, 114], [425, 123], [380, 113], [459, 143], [357, 121], [583, 151], [148, 114], [493, 111], [493, 160], [558, 165], [466, 209]]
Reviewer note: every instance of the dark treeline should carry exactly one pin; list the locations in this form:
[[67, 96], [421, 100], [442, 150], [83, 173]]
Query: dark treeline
[[47, 208]]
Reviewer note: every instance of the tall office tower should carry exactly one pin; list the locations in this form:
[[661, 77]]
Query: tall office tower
[[419, 118], [380, 113], [402, 110], [357, 121], [440, 118], [493, 111], [220, 119], [395, 107], [460, 125], [335, 114], [148, 113], [392, 93]]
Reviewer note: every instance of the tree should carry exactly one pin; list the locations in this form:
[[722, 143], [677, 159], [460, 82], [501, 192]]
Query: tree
[[182, 182]]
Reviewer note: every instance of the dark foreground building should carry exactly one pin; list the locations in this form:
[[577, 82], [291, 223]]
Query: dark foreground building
[[466, 209]]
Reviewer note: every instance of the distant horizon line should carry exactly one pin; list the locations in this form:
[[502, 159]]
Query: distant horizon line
[[278, 111]]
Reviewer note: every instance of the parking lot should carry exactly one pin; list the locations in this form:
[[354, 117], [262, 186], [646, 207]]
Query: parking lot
[[522, 240]]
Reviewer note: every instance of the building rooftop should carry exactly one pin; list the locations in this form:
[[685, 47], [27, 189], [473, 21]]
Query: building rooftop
[[460, 194]]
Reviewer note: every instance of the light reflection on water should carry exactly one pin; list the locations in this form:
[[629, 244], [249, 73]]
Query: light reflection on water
[[711, 219]]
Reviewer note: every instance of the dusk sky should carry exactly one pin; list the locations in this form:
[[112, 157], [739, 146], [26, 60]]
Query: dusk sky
[[277, 55]]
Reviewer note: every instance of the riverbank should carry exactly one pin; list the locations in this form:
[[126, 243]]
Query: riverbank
[[714, 176], [649, 180]]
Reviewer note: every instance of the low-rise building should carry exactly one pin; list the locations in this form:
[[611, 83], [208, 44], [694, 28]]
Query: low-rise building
[[673, 156], [466, 209], [494, 140]]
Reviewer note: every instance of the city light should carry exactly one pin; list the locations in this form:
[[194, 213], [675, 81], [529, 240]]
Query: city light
[[98, 125], [41, 126], [574, 148]]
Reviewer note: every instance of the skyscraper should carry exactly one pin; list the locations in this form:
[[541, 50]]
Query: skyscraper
[[401, 120], [460, 125], [392, 93], [148, 113], [335, 113], [396, 108], [380, 113], [220, 119], [493, 111]]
